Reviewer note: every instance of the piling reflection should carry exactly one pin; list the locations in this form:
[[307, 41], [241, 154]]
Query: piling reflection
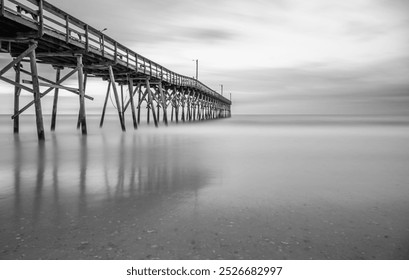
[[65, 183]]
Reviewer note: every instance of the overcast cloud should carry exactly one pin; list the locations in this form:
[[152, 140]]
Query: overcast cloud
[[286, 56]]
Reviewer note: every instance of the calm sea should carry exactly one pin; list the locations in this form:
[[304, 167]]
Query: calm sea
[[248, 187]]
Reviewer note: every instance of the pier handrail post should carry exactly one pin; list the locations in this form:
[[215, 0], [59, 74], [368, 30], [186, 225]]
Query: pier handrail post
[[67, 29], [40, 18], [2, 7], [86, 38], [115, 52]]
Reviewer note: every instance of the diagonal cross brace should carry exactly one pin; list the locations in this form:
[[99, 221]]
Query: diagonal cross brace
[[18, 59], [43, 94]]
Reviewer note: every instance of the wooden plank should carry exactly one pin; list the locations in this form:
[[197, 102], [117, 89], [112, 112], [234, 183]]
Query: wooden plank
[[57, 54], [21, 7], [16, 84], [54, 86]]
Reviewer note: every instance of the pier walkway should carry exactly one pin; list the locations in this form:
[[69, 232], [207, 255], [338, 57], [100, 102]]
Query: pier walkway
[[34, 31]]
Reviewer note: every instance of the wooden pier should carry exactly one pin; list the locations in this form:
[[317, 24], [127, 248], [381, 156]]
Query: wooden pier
[[34, 31]]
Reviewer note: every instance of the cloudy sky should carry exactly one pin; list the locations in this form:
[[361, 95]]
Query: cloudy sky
[[274, 56]]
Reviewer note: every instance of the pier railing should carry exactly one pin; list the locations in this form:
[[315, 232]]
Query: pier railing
[[52, 21]]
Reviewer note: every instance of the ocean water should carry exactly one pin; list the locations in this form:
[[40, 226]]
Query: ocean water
[[247, 187]]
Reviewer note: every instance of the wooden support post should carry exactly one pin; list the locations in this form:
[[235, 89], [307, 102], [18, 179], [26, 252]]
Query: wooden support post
[[17, 90], [157, 105], [204, 108], [67, 29], [79, 112], [165, 114], [130, 83], [188, 106], [36, 89], [139, 103], [150, 98], [194, 108], [182, 101], [148, 112], [176, 105], [112, 77], [82, 117], [200, 109], [54, 113], [122, 102], [101, 123]]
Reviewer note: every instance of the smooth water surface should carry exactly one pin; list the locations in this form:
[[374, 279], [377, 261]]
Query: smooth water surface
[[248, 187]]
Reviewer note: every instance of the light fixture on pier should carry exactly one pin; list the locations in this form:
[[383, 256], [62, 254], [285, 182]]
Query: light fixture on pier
[[197, 68]]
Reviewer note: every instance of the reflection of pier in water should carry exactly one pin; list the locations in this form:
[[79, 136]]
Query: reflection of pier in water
[[56, 190]]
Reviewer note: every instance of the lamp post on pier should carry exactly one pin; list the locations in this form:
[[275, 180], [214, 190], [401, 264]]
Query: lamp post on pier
[[197, 68]]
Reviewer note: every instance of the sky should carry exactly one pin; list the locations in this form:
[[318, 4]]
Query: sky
[[273, 56]]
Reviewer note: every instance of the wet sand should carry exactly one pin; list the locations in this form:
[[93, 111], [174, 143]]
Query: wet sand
[[242, 188]]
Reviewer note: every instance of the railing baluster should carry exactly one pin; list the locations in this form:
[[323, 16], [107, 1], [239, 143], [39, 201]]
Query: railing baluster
[[116, 52], [86, 38], [67, 29], [103, 45], [2, 7], [40, 18]]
